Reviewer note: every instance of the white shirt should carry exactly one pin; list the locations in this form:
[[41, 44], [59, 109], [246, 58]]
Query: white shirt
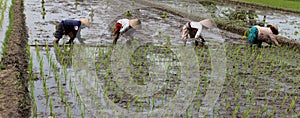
[[125, 25], [185, 31], [198, 26]]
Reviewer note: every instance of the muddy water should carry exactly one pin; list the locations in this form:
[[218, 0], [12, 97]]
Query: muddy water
[[149, 79], [288, 23], [5, 22]]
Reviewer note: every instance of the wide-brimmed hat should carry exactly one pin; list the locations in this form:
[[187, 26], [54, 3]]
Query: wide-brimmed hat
[[274, 28], [135, 23], [207, 23], [84, 21]]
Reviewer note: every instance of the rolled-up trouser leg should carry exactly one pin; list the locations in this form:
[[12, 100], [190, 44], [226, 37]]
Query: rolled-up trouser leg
[[72, 37], [196, 42], [202, 39], [56, 40], [184, 34], [58, 33], [117, 32]]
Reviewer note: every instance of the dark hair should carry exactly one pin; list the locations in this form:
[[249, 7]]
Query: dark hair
[[274, 30]]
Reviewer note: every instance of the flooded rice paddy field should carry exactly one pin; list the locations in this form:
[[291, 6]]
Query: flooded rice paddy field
[[156, 76], [288, 23]]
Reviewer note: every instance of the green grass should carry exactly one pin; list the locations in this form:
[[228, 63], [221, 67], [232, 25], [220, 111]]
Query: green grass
[[2, 12], [285, 4], [9, 29]]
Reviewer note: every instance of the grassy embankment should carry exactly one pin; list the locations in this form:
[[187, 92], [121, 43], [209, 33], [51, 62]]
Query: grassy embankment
[[293, 5]]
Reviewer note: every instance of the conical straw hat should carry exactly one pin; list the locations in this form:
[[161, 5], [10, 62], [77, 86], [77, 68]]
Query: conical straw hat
[[135, 23], [274, 28], [84, 21], [207, 23]]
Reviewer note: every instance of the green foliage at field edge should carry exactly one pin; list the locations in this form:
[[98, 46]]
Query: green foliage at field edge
[[285, 4]]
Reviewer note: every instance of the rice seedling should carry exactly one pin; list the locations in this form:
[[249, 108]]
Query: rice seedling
[[82, 111], [164, 15], [76, 4], [292, 105], [132, 2], [35, 109], [3, 12], [1, 4], [43, 12], [128, 14], [107, 2], [47, 94], [69, 112], [9, 29], [51, 107], [92, 14], [168, 42], [65, 72]]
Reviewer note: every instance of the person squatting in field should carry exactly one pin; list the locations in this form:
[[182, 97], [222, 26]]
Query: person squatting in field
[[258, 35], [126, 28], [71, 28], [193, 30]]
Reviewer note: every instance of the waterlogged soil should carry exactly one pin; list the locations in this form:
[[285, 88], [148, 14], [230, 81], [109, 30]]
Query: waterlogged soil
[[288, 23], [148, 77], [261, 82]]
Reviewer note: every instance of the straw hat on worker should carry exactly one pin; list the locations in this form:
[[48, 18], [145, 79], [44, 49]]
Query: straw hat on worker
[[85, 22], [274, 28], [123, 27], [194, 29], [258, 35], [135, 23], [207, 23]]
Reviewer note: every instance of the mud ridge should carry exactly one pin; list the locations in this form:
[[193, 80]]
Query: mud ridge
[[15, 100]]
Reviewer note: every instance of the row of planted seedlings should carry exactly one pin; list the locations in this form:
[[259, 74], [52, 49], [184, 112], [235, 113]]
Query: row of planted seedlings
[[241, 96], [116, 87], [205, 71], [86, 83], [3, 7], [43, 12], [54, 74], [64, 57], [120, 90], [254, 86]]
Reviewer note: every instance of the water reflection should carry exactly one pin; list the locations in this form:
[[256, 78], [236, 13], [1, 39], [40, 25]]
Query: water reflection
[[152, 80], [63, 55]]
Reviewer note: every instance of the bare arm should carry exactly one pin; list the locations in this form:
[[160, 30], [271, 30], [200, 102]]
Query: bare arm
[[199, 27], [116, 37], [273, 39], [184, 34]]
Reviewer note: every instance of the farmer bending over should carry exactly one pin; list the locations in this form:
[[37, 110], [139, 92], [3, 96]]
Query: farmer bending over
[[194, 29], [126, 28], [258, 34], [71, 28]]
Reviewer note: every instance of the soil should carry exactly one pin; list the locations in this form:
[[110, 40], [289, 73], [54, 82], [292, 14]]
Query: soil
[[14, 95]]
